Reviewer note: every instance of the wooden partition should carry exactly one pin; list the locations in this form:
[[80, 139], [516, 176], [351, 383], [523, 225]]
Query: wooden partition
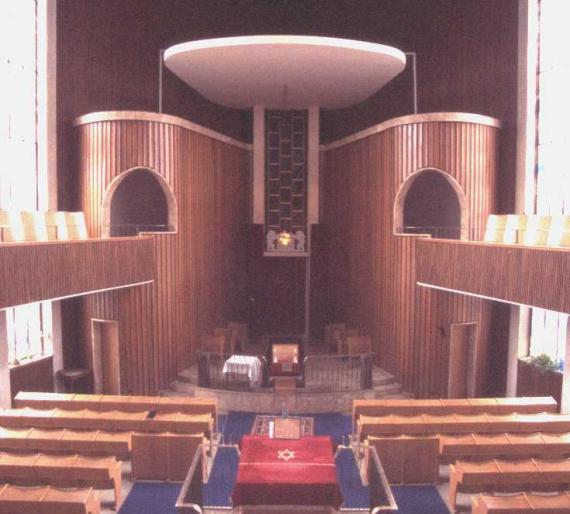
[[371, 265], [199, 276]]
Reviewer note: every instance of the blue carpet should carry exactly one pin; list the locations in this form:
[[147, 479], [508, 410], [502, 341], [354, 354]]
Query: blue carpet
[[151, 498], [335, 424], [236, 425], [354, 493], [222, 478], [419, 499]]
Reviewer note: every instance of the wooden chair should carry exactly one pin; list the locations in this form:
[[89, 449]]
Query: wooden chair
[[340, 339], [48, 500], [230, 339], [329, 335], [357, 345], [242, 334], [213, 344]]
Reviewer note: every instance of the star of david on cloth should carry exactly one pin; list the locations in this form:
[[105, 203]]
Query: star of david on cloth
[[285, 454]]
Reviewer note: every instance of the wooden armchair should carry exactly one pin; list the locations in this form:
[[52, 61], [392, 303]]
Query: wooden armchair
[[242, 333], [329, 335], [357, 345], [340, 339], [230, 339], [213, 343]]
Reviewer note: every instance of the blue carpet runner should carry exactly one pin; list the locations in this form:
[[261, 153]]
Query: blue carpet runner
[[151, 498], [419, 499], [222, 478], [354, 493]]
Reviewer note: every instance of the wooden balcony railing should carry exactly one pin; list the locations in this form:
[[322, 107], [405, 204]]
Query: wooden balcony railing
[[34, 271]]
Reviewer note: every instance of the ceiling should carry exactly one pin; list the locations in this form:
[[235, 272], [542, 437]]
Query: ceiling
[[285, 72]]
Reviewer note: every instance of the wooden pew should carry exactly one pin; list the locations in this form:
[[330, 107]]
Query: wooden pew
[[97, 472], [98, 442], [102, 402], [106, 420], [163, 456], [408, 460], [524, 503], [412, 407], [48, 500], [462, 424], [501, 475], [487, 446]]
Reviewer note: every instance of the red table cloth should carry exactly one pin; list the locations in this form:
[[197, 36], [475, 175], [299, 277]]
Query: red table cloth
[[286, 472]]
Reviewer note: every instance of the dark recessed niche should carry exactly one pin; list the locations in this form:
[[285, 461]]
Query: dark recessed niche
[[431, 207], [139, 204]]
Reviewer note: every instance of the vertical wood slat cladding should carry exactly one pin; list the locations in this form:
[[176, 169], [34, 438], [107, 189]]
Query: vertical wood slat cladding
[[409, 324], [199, 269]]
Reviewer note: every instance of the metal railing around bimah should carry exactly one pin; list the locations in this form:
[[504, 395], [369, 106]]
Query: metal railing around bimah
[[337, 373], [319, 373]]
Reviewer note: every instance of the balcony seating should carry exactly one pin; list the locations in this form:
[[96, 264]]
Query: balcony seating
[[48, 500], [528, 229], [42, 226]]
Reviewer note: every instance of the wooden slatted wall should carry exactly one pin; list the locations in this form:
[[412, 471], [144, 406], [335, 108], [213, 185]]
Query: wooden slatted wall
[[372, 271], [199, 269]]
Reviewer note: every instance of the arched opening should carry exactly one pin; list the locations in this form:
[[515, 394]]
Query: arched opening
[[138, 200], [431, 202]]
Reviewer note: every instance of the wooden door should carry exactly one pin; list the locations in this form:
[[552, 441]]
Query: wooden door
[[462, 348], [106, 357]]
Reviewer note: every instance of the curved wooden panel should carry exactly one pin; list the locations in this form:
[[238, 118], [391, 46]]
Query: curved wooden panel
[[409, 326], [199, 268]]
